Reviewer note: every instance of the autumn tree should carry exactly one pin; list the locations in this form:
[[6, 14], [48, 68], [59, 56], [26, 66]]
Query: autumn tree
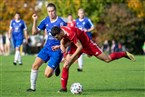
[[8, 9], [122, 25], [117, 20], [138, 6]]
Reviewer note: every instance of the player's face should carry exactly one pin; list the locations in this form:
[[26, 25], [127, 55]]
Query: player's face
[[17, 16], [51, 12], [81, 14], [70, 18], [59, 36]]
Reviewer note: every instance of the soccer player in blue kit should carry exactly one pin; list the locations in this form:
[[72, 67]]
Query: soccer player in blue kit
[[46, 52], [86, 25], [17, 31]]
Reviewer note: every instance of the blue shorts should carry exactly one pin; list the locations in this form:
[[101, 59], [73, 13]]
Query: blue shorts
[[17, 43], [54, 57]]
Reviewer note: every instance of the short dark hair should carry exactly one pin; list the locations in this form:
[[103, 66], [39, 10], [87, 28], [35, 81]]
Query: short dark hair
[[51, 5], [17, 13], [69, 14], [55, 30]]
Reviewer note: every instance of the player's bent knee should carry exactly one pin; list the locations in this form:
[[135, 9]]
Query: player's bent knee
[[106, 60], [48, 75], [35, 67], [66, 66]]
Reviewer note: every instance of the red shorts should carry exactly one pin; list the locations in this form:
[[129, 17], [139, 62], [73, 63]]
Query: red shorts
[[92, 49]]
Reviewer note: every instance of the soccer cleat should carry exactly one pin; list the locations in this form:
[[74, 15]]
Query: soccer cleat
[[14, 63], [31, 90], [130, 56], [20, 63], [62, 90], [80, 70], [57, 71]]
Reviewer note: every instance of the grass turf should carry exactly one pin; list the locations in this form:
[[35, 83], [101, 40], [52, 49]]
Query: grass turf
[[120, 78]]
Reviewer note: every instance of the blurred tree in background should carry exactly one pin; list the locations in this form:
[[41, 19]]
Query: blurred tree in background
[[122, 20], [122, 25], [8, 8]]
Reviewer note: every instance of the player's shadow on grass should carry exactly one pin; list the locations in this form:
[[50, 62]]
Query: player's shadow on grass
[[117, 90]]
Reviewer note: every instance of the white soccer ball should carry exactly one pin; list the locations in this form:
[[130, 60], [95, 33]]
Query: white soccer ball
[[76, 88]]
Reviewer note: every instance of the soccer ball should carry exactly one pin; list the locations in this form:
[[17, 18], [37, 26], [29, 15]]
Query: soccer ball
[[76, 88]]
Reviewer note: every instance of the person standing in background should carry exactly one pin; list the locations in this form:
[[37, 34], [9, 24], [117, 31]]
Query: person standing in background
[[86, 25], [143, 48], [7, 44], [18, 31], [71, 22]]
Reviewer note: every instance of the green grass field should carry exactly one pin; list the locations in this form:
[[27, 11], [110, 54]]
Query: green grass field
[[121, 78]]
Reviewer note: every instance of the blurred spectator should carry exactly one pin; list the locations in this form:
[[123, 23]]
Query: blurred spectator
[[114, 46], [106, 47], [4, 42], [119, 47], [35, 43], [143, 48], [7, 44], [1, 45], [26, 46]]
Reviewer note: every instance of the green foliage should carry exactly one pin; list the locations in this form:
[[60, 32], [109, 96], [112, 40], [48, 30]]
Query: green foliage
[[124, 20], [122, 25], [8, 9]]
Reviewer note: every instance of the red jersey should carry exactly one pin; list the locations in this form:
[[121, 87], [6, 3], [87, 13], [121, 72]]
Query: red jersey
[[71, 24], [74, 34]]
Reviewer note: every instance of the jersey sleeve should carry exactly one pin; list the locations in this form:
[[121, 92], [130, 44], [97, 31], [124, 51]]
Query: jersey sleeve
[[73, 37], [42, 25], [25, 27], [63, 23], [11, 26], [90, 22]]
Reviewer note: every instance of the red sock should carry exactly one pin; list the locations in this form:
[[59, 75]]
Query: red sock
[[64, 78], [117, 55]]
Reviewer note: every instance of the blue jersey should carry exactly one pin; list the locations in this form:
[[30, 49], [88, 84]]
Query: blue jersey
[[18, 28], [84, 24], [47, 24]]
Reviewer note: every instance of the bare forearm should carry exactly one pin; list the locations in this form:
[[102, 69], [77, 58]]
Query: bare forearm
[[91, 29], [78, 50], [34, 28], [9, 33], [26, 34]]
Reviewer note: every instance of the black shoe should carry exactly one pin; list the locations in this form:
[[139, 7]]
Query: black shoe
[[57, 71], [62, 90], [14, 63], [31, 90], [80, 70]]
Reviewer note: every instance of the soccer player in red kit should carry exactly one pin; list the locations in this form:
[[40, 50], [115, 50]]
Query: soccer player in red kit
[[80, 43], [71, 22]]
